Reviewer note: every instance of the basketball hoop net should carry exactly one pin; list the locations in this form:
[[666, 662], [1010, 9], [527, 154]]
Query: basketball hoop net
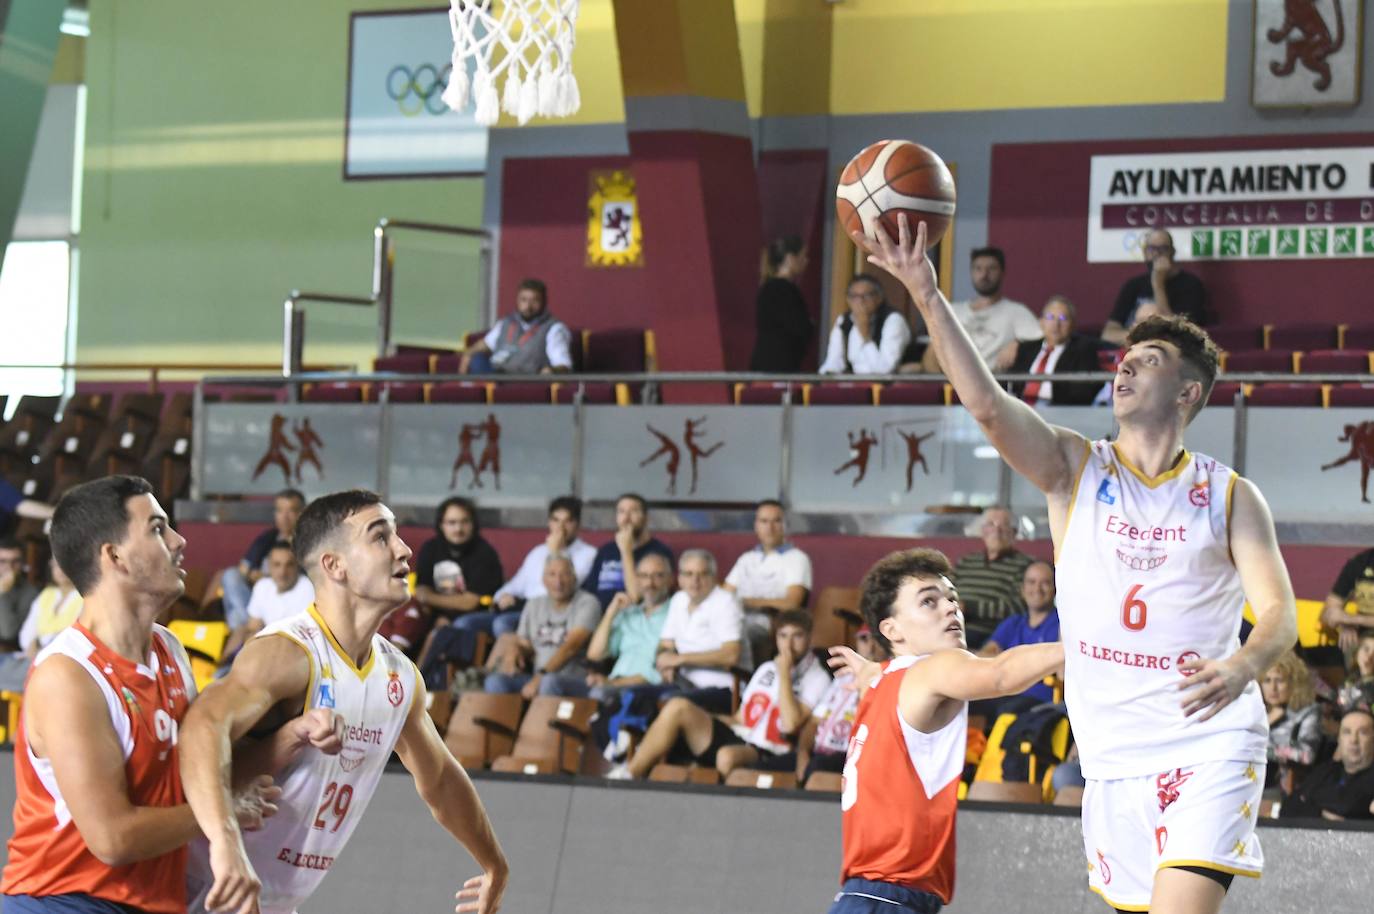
[[535, 38]]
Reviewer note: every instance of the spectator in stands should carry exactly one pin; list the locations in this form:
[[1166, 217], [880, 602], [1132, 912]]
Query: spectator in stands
[[530, 341], [457, 572], [702, 639], [16, 594], [774, 707], [283, 593], [1039, 624], [1060, 352], [773, 577], [1355, 582], [1359, 685], [56, 607], [1295, 735], [630, 633], [1341, 788], [989, 581], [781, 318], [631, 543], [564, 524], [1170, 288], [237, 583], [546, 654], [12, 501], [824, 740], [995, 324], [870, 337]]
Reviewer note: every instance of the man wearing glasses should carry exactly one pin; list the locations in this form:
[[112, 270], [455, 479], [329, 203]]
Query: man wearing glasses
[[1061, 352], [1172, 289]]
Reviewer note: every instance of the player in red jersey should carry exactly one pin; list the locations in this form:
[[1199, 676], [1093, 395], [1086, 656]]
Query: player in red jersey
[[906, 751], [100, 824]]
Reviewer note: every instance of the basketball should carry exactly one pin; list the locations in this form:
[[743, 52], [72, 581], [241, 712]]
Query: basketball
[[891, 177]]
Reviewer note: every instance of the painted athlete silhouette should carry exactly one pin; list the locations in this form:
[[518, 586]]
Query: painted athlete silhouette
[[859, 448], [466, 436], [307, 439], [1361, 438], [277, 446], [690, 430], [914, 455], [491, 452], [1312, 44], [666, 446]]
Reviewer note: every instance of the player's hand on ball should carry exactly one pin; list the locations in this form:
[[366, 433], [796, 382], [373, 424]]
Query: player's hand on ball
[[905, 258], [322, 728], [256, 801], [236, 886], [482, 894], [1211, 685]]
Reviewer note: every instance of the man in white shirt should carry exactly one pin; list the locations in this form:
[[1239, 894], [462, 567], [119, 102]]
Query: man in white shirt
[[565, 523], [774, 707], [283, 593], [995, 324], [702, 638], [773, 577], [870, 337]]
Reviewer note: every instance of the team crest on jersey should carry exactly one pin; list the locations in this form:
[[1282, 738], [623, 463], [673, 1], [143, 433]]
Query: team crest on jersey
[[1200, 494], [324, 695], [395, 692], [1107, 492], [1168, 785], [1184, 658]]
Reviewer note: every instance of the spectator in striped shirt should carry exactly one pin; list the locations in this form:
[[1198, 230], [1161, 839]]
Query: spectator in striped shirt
[[989, 581]]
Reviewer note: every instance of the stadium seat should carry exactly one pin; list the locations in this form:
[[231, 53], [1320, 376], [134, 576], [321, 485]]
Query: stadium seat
[[1069, 796], [21, 437], [1334, 361], [551, 737], [763, 393], [1223, 394], [1237, 337], [334, 392], [1277, 360], [839, 394], [621, 350], [836, 616], [204, 643], [594, 394], [922, 393], [446, 363], [482, 727], [522, 393], [167, 462], [1005, 792], [404, 363], [825, 782], [1351, 395], [762, 780], [404, 392], [1285, 395], [1108, 359], [1301, 335], [684, 774], [1356, 336], [458, 392]]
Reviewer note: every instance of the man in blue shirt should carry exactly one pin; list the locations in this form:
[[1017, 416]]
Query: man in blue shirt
[[1037, 625], [632, 542], [12, 501]]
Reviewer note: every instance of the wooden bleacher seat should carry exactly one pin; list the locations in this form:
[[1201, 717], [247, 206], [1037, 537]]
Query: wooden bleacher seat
[[482, 727], [1005, 792], [551, 736], [762, 780], [836, 616], [825, 782], [684, 774], [1069, 796]]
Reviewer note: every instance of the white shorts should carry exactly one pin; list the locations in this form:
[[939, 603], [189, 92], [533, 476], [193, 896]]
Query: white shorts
[[1202, 815]]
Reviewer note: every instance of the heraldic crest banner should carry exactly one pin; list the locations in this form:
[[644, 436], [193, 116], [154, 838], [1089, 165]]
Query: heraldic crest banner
[[614, 237]]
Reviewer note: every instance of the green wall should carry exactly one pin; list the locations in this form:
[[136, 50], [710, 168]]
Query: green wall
[[213, 186]]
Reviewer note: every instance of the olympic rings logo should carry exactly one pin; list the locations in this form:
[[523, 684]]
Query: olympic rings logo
[[419, 90]]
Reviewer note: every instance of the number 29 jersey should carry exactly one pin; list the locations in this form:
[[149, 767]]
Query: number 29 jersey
[[323, 796], [1145, 583]]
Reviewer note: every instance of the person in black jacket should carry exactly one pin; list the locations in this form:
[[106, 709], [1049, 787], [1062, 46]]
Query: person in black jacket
[[781, 317], [456, 572], [1061, 352]]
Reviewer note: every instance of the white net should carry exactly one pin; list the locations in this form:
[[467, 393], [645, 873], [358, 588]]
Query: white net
[[524, 45]]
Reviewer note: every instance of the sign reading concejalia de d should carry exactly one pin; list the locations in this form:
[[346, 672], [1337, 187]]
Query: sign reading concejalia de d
[[1243, 204]]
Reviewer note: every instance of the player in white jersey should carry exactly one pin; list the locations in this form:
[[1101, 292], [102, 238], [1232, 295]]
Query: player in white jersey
[[1157, 551], [329, 657]]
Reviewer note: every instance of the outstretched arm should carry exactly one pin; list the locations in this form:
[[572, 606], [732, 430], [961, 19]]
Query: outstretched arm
[[964, 677], [1046, 455], [1214, 684], [444, 786]]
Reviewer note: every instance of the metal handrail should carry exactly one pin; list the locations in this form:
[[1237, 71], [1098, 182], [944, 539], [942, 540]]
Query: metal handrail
[[383, 266]]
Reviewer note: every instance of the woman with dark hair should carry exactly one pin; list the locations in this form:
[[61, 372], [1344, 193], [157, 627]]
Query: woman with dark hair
[[780, 313], [456, 572]]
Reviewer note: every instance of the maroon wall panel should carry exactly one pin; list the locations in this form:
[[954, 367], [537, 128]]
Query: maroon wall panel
[[1038, 212], [794, 189]]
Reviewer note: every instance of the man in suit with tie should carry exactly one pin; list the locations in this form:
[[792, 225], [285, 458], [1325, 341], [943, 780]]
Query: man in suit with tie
[[1061, 352]]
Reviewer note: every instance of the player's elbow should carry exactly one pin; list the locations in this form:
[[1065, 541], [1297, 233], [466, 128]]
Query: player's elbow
[[110, 842]]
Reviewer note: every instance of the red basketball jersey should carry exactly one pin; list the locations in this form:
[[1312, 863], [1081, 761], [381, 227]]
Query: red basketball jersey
[[900, 792], [47, 855]]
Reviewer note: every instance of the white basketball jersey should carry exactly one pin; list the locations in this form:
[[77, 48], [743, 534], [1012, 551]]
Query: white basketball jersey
[[1145, 582], [324, 796]]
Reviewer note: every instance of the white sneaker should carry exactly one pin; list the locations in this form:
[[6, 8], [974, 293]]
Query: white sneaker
[[618, 749], [620, 773]]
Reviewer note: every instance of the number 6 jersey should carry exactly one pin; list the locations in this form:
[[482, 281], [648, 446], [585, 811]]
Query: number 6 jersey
[[1146, 582], [323, 796]]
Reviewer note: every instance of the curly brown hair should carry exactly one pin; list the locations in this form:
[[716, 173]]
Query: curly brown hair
[[1201, 357], [880, 586], [1300, 690]]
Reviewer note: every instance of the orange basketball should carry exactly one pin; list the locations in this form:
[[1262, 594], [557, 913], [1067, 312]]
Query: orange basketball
[[891, 177]]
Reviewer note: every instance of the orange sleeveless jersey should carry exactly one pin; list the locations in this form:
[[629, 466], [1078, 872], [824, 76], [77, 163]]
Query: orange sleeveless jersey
[[900, 792], [47, 855]]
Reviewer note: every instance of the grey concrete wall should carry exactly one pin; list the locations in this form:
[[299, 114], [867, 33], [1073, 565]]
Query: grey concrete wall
[[602, 848]]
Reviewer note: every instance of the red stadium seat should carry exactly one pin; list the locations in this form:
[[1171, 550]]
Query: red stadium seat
[[1334, 361], [839, 394], [1357, 336], [405, 393], [597, 394], [924, 393], [1285, 395], [1260, 360], [1223, 394], [459, 392], [1238, 337], [1108, 359], [334, 392], [610, 351], [1301, 335], [521, 393], [404, 363], [1351, 395], [762, 394], [447, 363]]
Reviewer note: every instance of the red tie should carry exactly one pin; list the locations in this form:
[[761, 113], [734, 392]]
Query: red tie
[[1032, 391]]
